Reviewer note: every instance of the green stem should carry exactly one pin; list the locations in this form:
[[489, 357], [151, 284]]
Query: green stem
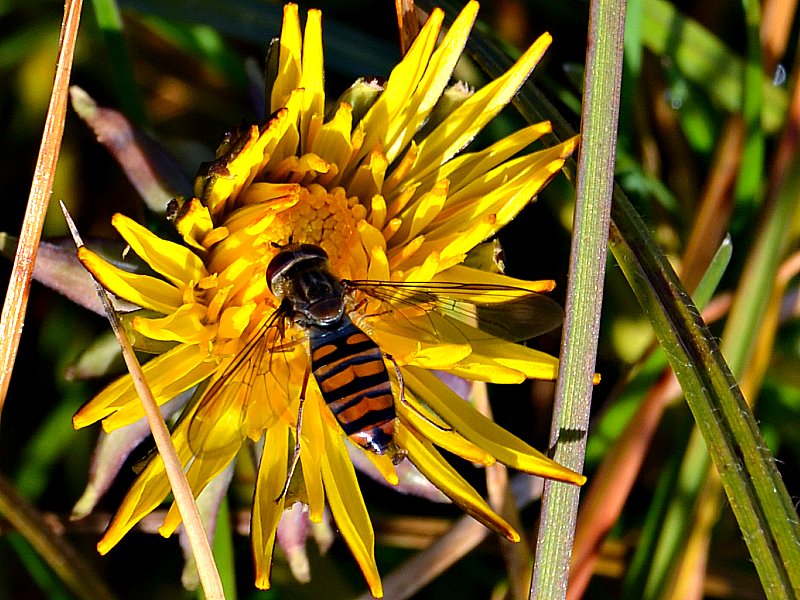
[[595, 183]]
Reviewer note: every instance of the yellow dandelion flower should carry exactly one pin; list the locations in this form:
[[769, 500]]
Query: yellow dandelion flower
[[322, 267]]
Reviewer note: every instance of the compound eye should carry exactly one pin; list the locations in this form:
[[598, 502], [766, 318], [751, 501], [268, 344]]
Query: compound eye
[[312, 251], [279, 263]]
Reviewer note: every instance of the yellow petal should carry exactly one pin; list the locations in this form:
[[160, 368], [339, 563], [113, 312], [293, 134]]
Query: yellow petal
[[467, 120], [482, 368], [184, 325], [312, 78], [367, 181], [194, 223], [532, 363], [266, 511], [175, 262], [274, 197], [203, 469], [383, 463], [466, 236], [400, 255], [442, 436], [502, 192], [497, 361], [400, 86], [400, 201], [378, 265], [421, 213], [147, 492], [431, 464], [311, 453], [483, 432], [235, 319], [283, 138], [143, 290], [167, 376], [377, 212], [402, 342], [289, 62], [332, 142], [347, 507], [413, 113], [370, 237], [466, 167], [429, 267], [469, 276], [219, 189]]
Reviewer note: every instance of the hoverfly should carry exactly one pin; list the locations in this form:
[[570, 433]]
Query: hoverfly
[[347, 365]]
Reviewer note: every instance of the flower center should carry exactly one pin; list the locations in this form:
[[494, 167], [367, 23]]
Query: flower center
[[326, 218]]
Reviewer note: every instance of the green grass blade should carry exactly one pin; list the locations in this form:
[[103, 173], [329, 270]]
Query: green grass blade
[[713, 275], [751, 171], [755, 490], [616, 417], [224, 551]]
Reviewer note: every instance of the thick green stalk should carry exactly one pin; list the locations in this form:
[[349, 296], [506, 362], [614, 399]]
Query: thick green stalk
[[595, 184], [755, 490]]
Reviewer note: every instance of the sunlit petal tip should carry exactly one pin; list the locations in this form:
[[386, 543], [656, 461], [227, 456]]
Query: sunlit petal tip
[[86, 417], [104, 546], [142, 290], [544, 285], [568, 146], [428, 460], [262, 581], [166, 530], [175, 262], [384, 465]]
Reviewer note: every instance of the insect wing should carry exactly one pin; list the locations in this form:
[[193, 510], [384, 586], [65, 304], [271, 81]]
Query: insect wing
[[508, 312], [223, 406]]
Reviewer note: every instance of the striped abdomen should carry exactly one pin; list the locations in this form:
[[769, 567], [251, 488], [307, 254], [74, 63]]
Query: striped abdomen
[[350, 372]]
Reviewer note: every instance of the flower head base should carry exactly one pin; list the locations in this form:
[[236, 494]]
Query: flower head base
[[377, 185]]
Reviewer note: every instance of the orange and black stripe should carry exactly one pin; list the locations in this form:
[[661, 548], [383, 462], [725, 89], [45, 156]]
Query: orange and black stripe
[[354, 382]]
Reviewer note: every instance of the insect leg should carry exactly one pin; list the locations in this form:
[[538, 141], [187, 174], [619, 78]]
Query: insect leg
[[402, 395], [296, 454]]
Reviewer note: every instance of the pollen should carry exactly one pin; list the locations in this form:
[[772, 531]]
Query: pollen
[[326, 218]]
